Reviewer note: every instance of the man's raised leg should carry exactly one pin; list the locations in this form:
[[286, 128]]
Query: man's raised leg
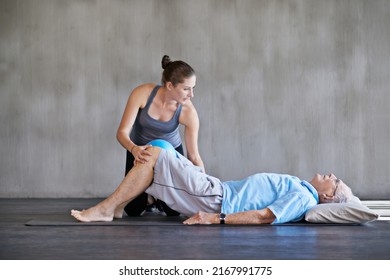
[[137, 180]]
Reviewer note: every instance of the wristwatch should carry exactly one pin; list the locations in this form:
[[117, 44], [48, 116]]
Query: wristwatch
[[222, 217]]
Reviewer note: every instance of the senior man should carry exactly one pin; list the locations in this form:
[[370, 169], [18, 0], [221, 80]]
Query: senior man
[[262, 198]]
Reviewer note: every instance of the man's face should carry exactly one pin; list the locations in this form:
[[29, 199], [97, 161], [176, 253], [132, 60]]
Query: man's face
[[326, 184]]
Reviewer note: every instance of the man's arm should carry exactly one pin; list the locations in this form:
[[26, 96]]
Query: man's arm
[[263, 216]]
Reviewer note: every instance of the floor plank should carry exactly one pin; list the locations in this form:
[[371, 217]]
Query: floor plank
[[20, 242]]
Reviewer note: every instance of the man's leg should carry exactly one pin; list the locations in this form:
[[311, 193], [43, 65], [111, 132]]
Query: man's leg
[[136, 181]]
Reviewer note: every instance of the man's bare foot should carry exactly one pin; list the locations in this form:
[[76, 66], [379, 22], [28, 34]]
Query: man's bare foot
[[93, 214]]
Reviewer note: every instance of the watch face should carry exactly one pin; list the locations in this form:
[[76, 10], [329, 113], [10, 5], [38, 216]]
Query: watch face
[[222, 218]]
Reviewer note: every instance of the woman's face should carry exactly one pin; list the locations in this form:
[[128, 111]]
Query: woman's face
[[184, 91]]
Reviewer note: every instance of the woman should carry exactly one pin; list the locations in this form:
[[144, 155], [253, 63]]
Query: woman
[[155, 112]]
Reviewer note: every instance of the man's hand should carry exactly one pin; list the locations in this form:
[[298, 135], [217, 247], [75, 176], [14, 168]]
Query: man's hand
[[203, 218], [250, 217]]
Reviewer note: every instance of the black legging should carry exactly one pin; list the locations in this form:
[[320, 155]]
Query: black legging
[[138, 205]]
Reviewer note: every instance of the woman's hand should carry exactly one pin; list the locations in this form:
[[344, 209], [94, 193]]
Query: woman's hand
[[203, 218], [141, 154]]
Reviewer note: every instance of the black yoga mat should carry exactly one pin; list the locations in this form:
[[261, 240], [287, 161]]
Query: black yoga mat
[[146, 220], [68, 220]]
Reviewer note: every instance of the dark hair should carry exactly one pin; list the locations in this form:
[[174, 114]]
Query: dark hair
[[175, 71]]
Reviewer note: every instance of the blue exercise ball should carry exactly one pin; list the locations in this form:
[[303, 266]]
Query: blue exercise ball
[[163, 145]]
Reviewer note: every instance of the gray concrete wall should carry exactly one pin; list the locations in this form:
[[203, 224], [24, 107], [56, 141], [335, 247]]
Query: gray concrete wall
[[283, 86]]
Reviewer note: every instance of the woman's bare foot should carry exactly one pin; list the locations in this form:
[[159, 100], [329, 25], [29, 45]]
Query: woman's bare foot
[[118, 213], [93, 214]]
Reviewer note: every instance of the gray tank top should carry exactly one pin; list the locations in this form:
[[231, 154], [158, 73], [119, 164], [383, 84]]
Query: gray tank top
[[146, 129]]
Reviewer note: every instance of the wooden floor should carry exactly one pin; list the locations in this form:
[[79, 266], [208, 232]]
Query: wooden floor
[[20, 242]]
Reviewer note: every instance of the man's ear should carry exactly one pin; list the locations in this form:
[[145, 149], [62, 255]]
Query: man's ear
[[327, 198]]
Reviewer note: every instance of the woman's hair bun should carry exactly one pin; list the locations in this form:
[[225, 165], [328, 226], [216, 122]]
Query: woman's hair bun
[[166, 60]]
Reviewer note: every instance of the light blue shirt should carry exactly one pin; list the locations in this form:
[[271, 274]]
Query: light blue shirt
[[286, 196]]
